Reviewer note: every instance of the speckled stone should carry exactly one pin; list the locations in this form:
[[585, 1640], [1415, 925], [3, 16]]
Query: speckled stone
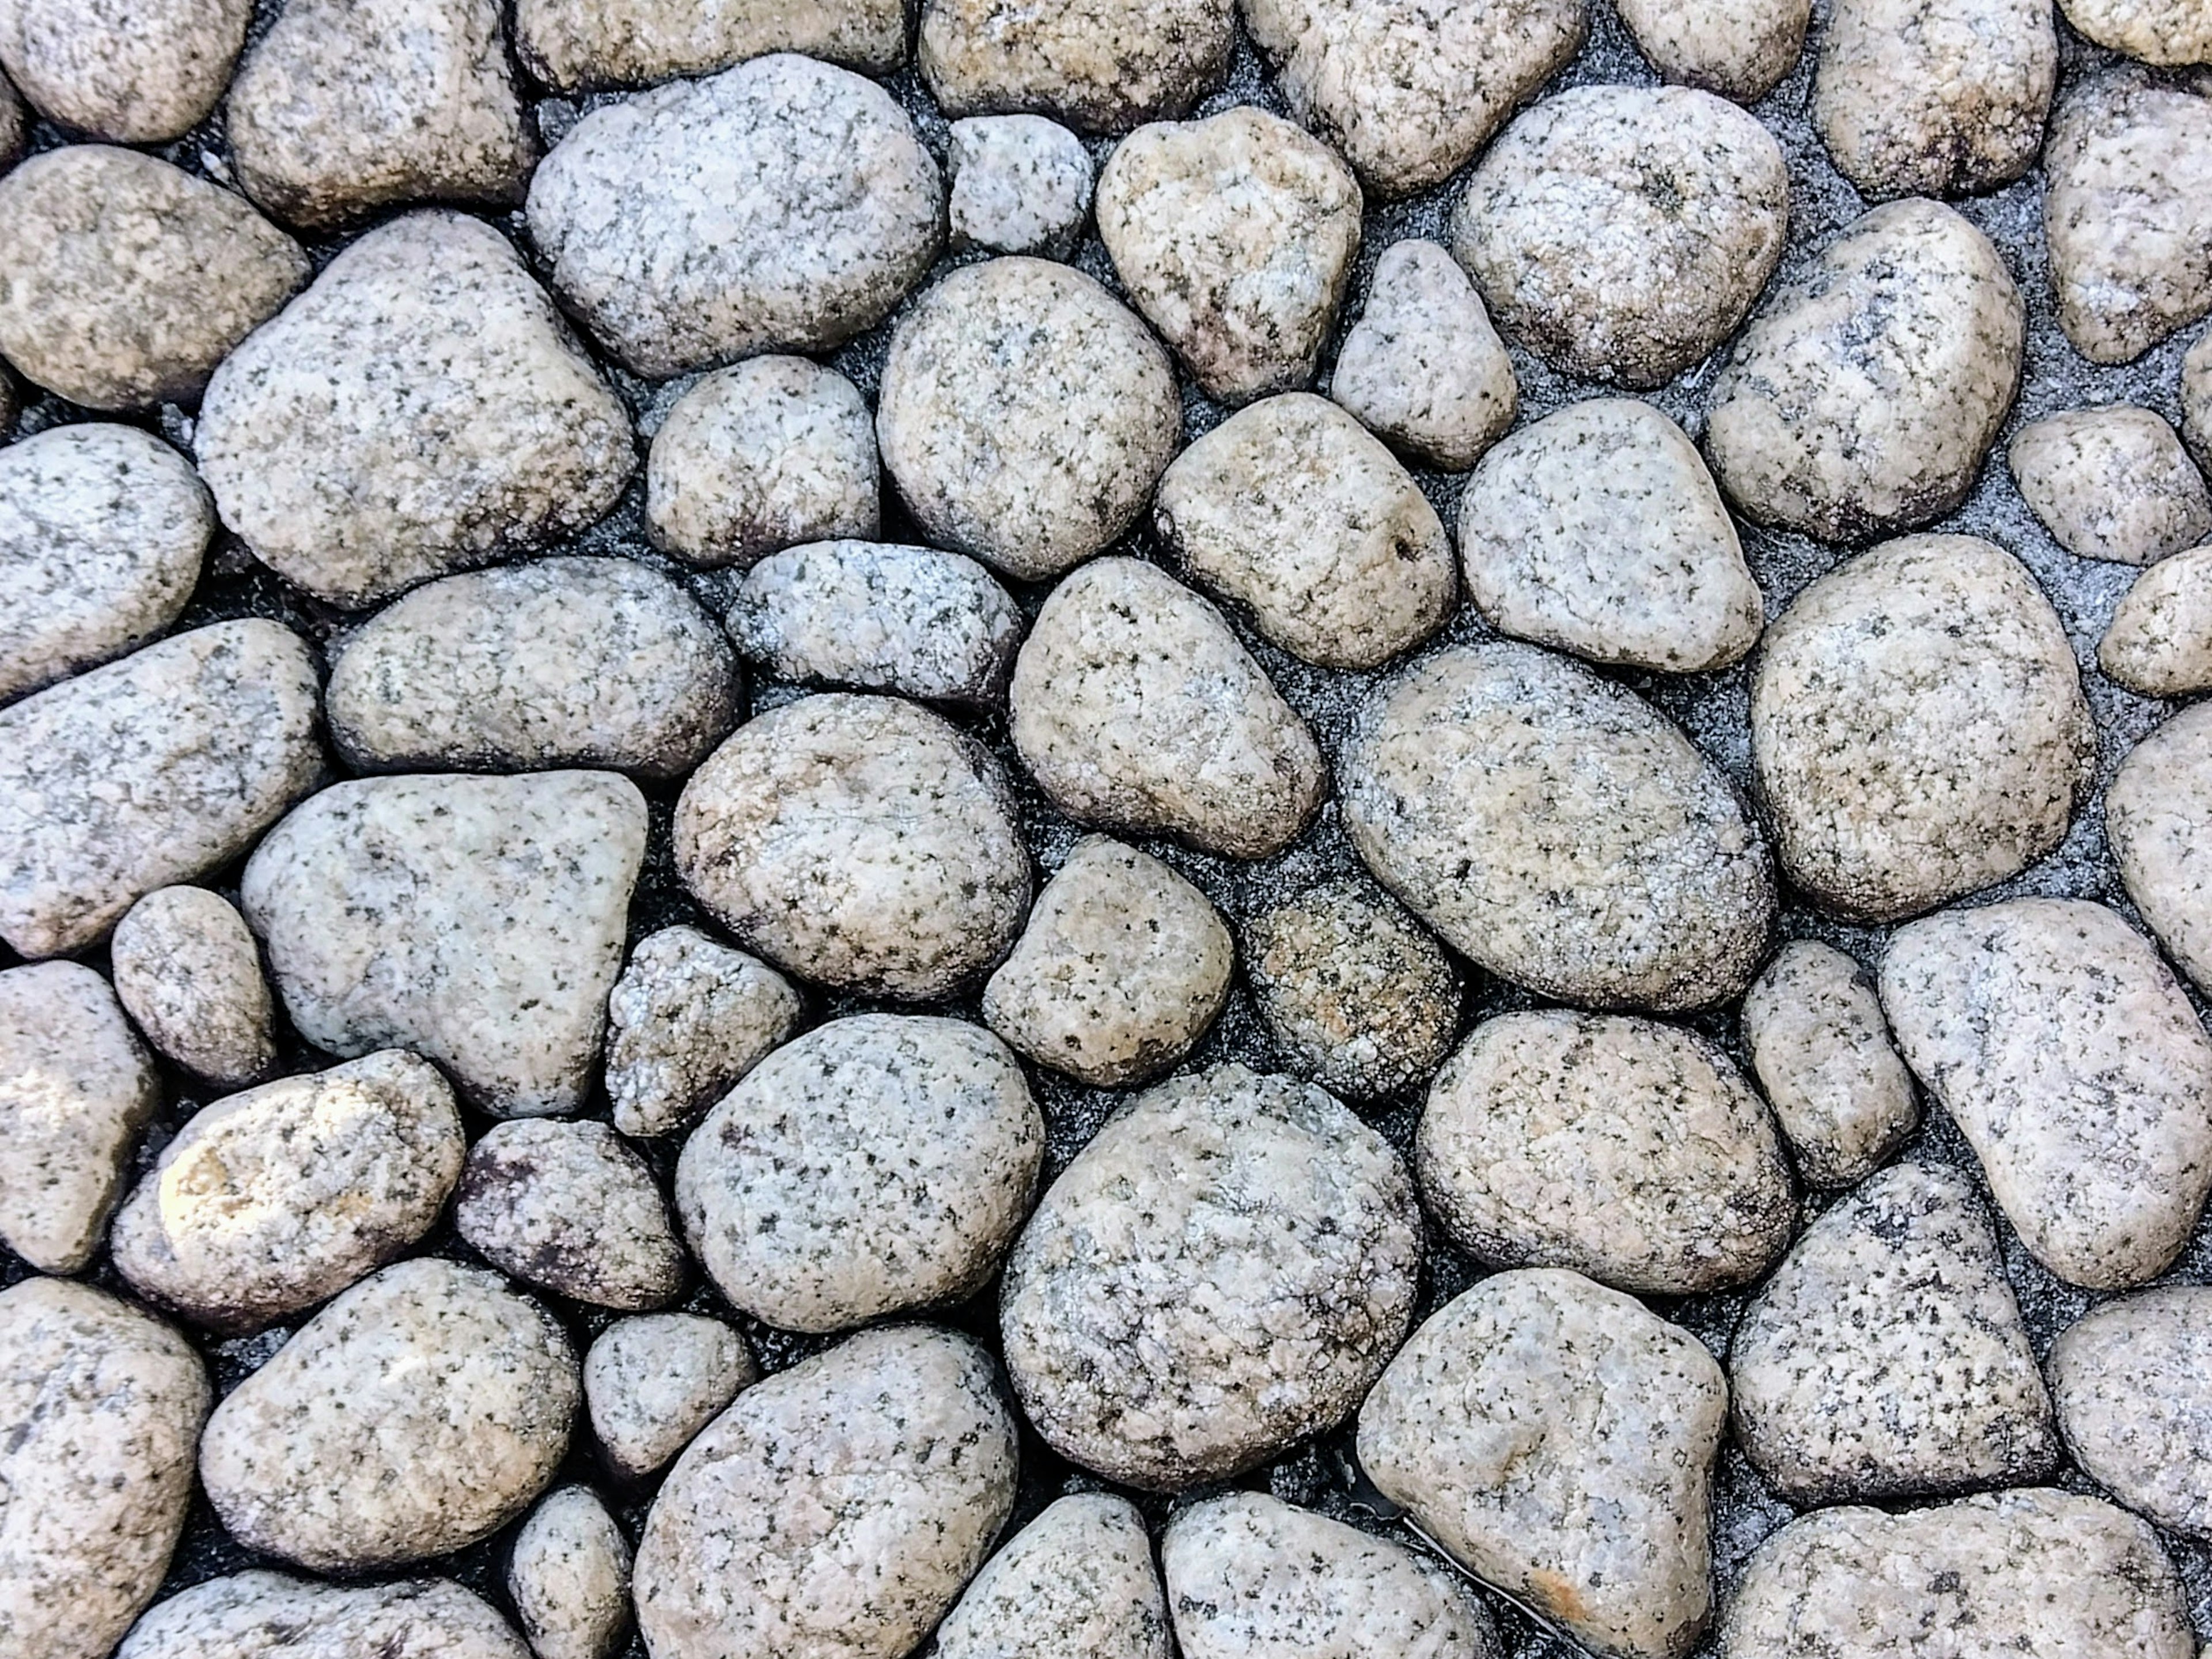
[[267, 1615], [568, 1575], [2160, 639], [2111, 484], [2196, 399], [2167, 31], [2129, 1380], [186, 967], [688, 1018], [1422, 368], [1020, 184], [14, 124], [570, 1208], [1077, 1583], [2155, 814], [1822, 1054], [654, 1381], [1100, 65], [1737, 48], [576, 45], [128, 71]]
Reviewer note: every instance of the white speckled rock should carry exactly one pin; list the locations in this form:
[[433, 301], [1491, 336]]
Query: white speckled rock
[[1077, 1583], [570, 1208], [267, 1615], [1822, 1054], [1530, 1405], [1737, 48], [578, 44], [834, 1511], [1025, 415], [2129, 1381], [2155, 817], [2111, 484], [2065, 1050], [687, 1020], [1918, 727], [272, 1201], [2168, 31], [1100, 65], [1020, 184], [1558, 830], [478, 921], [1222, 1271], [419, 1413], [2196, 399], [186, 967], [2160, 639], [128, 71], [654, 1381], [569, 1576], [1422, 368]]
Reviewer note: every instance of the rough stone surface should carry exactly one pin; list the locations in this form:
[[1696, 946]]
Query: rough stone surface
[[267, 1615], [653, 1382], [187, 969], [2160, 639], [2113, 483], [576, 45], [1737, 48], [1821, 1051], [1020, 184], [688, 1018], [1100, 65], [2164, 32], [569, 1578], [1422, 368], [2196, 399], [2154, 818], [15, 124], [128, 71], [1077, 1583], [568, 1207], [2130, 1381]]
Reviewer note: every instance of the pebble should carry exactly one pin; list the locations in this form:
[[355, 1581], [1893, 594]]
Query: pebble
[[1422, 368], [783, 204], [2196, 399], [419, 1413], [1077, 1583], [1865, 392], [564, 662], [2113, 483], [186, 967], [1622, 233], [2160, 641], [15, 124], [1234, 235], [1558, 1440], [1597, 530], [654, 1381], [101, 533], [859, 841], [1020, 184], [1558, 830], [569, 1578], [1823, 1055], [688, 1018], [2063, 1048], [100, 1406], [2129, 1378], [879, 1164], [1223, 1270], [124, 281], [1135, 707], [2153, 813], [2172, 33], [272, 1201], [1886, 1357], [153, 769], [570, 1208], [578, 45], [1740, 49], [420, 410], [1918, 728], [266, 1615], [128, 71], [1025, 415], [478, 920], [836, 1511], [1103, 66], [1291, 510]]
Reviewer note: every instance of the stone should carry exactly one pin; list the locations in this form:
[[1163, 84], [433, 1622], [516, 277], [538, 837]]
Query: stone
[[272, 1201], [2154, 811], [570, 1208], [15, 127], [127, 71], [881, 1163], [1077, 1583], [688, 1018], [101, 533], [2064, 1049], [895, 1436], [1222, 1271], [785, 204], [1597, 530], [2196, 399], [581, 46], [654, 1380], [124, 281], [1422, 368], [1020, 184], [1025, 415], [1135, 707], [476, 920], [2111, 484], [419, 410], [2172, 33], [766, 454], [569, 1578], [100, 1404], [1099, 65], [1918, 728], [1530, 1405], [187, 969], [1886, 1357], [156, 768], [859, 841], [1740, 49], [1234, 236], [2159, 642], [1123, 967], [1622, 233], [1822, 1054], [564, 662], [267, 1615], [1557, 830], [1291, 510], [1864, 395], [419, 1413], [2128, 1379]]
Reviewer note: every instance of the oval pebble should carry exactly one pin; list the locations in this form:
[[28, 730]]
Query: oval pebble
[[2130, 1381], [576, 45], [652, 1381], [688, 1018], [1077, 1583], [128, 71], [1102, 66], [1737, 48], [187, 967], [2160, 641], [1422, 368], [266, 1615], [570, 1208], [1020, 184], [2111, 484], [2155, 813], [568, 1574], [1823, 1056]]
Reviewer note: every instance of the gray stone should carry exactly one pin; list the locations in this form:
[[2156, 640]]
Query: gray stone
[[1100, 65], [653, 1382], [1422, 368], [2196, 399], [1822, 1054], [686, 1020], [128, 71], [2175, 33], [2154, 817], [570, 1208], [2111, 484], [576, 45], [267, 1615], [1077, 1583], [1020, 184], [2129, 1381], [1740, 49], [15, 124], [187, 969], [2160, 641], [569, 1576]]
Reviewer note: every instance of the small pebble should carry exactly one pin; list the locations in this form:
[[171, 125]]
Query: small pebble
[[2129, 1378], [1102, 66], [1823, 1055], [568, 1208], [2160, 641], [187, 969], [2113, 483], [1020, 184], [1740, 49], [2172, 33], [128, 71], [688, 1018], [1077, 1583], [654, 1381], [578, 45], [1422, 368], [568, 1575], [266, 1615], [2155, 814]]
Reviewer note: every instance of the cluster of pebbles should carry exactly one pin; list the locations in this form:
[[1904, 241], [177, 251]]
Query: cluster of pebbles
[[1274, 829]]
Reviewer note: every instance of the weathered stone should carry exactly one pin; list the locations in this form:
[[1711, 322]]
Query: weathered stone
[[686, 1020], [576, 45], [187, 969], [267, 1615], [2160, 641], [654, 1381], [1822, 1054], [2165, 31], [1077, 1583], [2129, 1382], [1100, 65], [1737, 48], [569, 1576], [1422, 368], [1020, 184], [2111, 484], [570, 1208], [2155, 817], [128, 71]]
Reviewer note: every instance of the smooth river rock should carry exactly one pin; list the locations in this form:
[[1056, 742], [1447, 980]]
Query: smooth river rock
[[2130, 1381], [2155, 814], [188, 969], [1824, 1058], [1077, 1583], [688, 1018], [571, 1208], [259, 1614]]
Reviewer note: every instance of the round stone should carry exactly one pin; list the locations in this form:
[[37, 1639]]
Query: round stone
[[1077, 1583], [2130, 1381], [2111, 484], [688, 1018], [1102, 66], [1822, 1054], [267, 1615], [1740, 49], [568, 1574], [654, 1380], [2172, 33], [186, 967], [2160, 641], [2155, 814], [570, 1208], [1020, 184], [128, 71], [1422, 368], [579, 46]]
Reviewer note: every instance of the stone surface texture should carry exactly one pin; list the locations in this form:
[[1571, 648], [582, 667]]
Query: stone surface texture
[[576, 45], [1099, 65], [2160, 641], [1077, 1583], [127, 71], [259, 1614], [652, 1381]]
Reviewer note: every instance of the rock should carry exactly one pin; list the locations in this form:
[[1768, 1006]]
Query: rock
[[2152, 815], [1740, 49], [1558, 830], [2128, 1379], [14, 124], [2196, 399], [1918, 727], [1135, 707], [1234, 235], [100, 1406], [566, 662], [2160, 641], [1291, 510], [686, 1020], [879, 1164], [1025, 415], [154, 769], [1530, 1405], [783, 204], [2064, 1049], [766, 454], [1864, 395], [2167, 31], [1598, 531], [570, 1208], [420, 410], [578, 45], [270, 1201], [478, 920], [2113, 483], [124, 281], [569, 1576], [1020, 184], [101, 533], [1886, 1357], [125, 71], [1121, 968], [1822, 1054], [267, 1615], [419, 1413], [858, 841], [1101, 66], [345, 107], [187, 969], [2028, 1572], [654, 1381], [897, 1437], [1077, 1583], [1222, 1271], [1422, 368], [1622, 233]]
